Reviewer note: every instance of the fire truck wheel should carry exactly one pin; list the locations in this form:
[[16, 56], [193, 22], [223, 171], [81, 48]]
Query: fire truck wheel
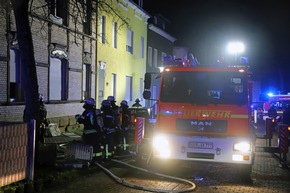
[[245, 172], [143, 156]]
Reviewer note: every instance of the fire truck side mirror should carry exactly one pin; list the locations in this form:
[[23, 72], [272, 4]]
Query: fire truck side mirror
[[147, 94], [147, 80]]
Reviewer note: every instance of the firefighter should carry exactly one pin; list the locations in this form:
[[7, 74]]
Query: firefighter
[[137, 103], [116, 110], [117, 121], [125, 123], [92, 120], [108, 129], [260, 113], [272, 113]]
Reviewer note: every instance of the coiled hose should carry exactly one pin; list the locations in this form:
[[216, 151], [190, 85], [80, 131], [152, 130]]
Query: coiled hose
[[135, 186]]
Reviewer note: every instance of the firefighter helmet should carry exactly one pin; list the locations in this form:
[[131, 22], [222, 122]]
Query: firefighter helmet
[[111, 98], [124, 102], [90, 101], [106, 103]]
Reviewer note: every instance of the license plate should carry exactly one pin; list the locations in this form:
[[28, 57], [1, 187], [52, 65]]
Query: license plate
[[201, 145]]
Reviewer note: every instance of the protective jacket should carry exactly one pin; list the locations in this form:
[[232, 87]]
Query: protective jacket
[[126, 118]]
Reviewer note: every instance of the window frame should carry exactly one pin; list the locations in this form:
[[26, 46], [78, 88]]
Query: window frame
[[59, 9], [63, 80], [130, 41], [103, 29], [16, 93], [87, 8]]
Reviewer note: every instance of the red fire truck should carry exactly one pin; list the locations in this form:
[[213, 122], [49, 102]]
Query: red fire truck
[[203, 114]]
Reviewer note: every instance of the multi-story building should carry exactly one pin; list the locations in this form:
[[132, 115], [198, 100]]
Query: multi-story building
[[160, 45], [121, 53], [78, 54], [64, 50]]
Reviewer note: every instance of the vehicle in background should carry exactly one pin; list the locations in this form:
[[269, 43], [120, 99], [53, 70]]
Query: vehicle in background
[[257, 112], [278, 101]]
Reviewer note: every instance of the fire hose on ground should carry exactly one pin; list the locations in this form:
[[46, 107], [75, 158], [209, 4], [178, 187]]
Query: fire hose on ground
[[139, 187]]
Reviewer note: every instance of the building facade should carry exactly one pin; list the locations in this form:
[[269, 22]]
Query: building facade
[[79, 53], [160, 45], [64, 51], [121, 53]]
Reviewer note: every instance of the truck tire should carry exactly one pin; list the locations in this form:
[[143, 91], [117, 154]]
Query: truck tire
[[245, 172]]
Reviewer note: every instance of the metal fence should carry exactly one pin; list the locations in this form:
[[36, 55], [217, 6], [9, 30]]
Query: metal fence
[[16, 152]]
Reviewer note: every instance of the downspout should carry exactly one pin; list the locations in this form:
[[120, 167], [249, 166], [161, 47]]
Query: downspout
[[96, 58], [8, 35]]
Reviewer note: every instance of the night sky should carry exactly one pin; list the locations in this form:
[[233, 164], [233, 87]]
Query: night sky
[[206, 27]]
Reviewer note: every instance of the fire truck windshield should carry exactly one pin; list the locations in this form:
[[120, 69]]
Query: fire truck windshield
[[204, 87]]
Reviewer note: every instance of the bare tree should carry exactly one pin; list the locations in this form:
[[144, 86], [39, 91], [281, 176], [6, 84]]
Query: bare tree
[[24, 38]]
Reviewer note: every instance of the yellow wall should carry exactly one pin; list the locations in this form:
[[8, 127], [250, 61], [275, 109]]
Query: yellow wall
[[118, 60]]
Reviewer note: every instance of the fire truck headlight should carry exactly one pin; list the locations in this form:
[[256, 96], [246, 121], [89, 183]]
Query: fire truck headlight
[[161, 146], [242, 146]]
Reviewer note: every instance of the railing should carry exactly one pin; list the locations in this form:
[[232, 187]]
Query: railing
[[16, 152], [283, 143]]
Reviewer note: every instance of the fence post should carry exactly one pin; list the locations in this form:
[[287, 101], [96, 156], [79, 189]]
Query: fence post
[[283, 142], [31, 149]]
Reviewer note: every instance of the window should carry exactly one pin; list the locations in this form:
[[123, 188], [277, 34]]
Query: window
[[86, 80], [58, 79], [128, 88], [163, 55], [155, 54], [129, 44], [114, 82], [141, 87], [149, 56], [16, 90], [114, 34], [142, 47], [87, 8], [204, 87], [103, 29], [58, 10]]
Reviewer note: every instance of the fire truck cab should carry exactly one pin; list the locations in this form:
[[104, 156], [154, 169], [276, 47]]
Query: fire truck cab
[[203, 114]]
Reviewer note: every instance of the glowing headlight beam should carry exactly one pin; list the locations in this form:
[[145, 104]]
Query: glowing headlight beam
[[242, 146], [161, 146]]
